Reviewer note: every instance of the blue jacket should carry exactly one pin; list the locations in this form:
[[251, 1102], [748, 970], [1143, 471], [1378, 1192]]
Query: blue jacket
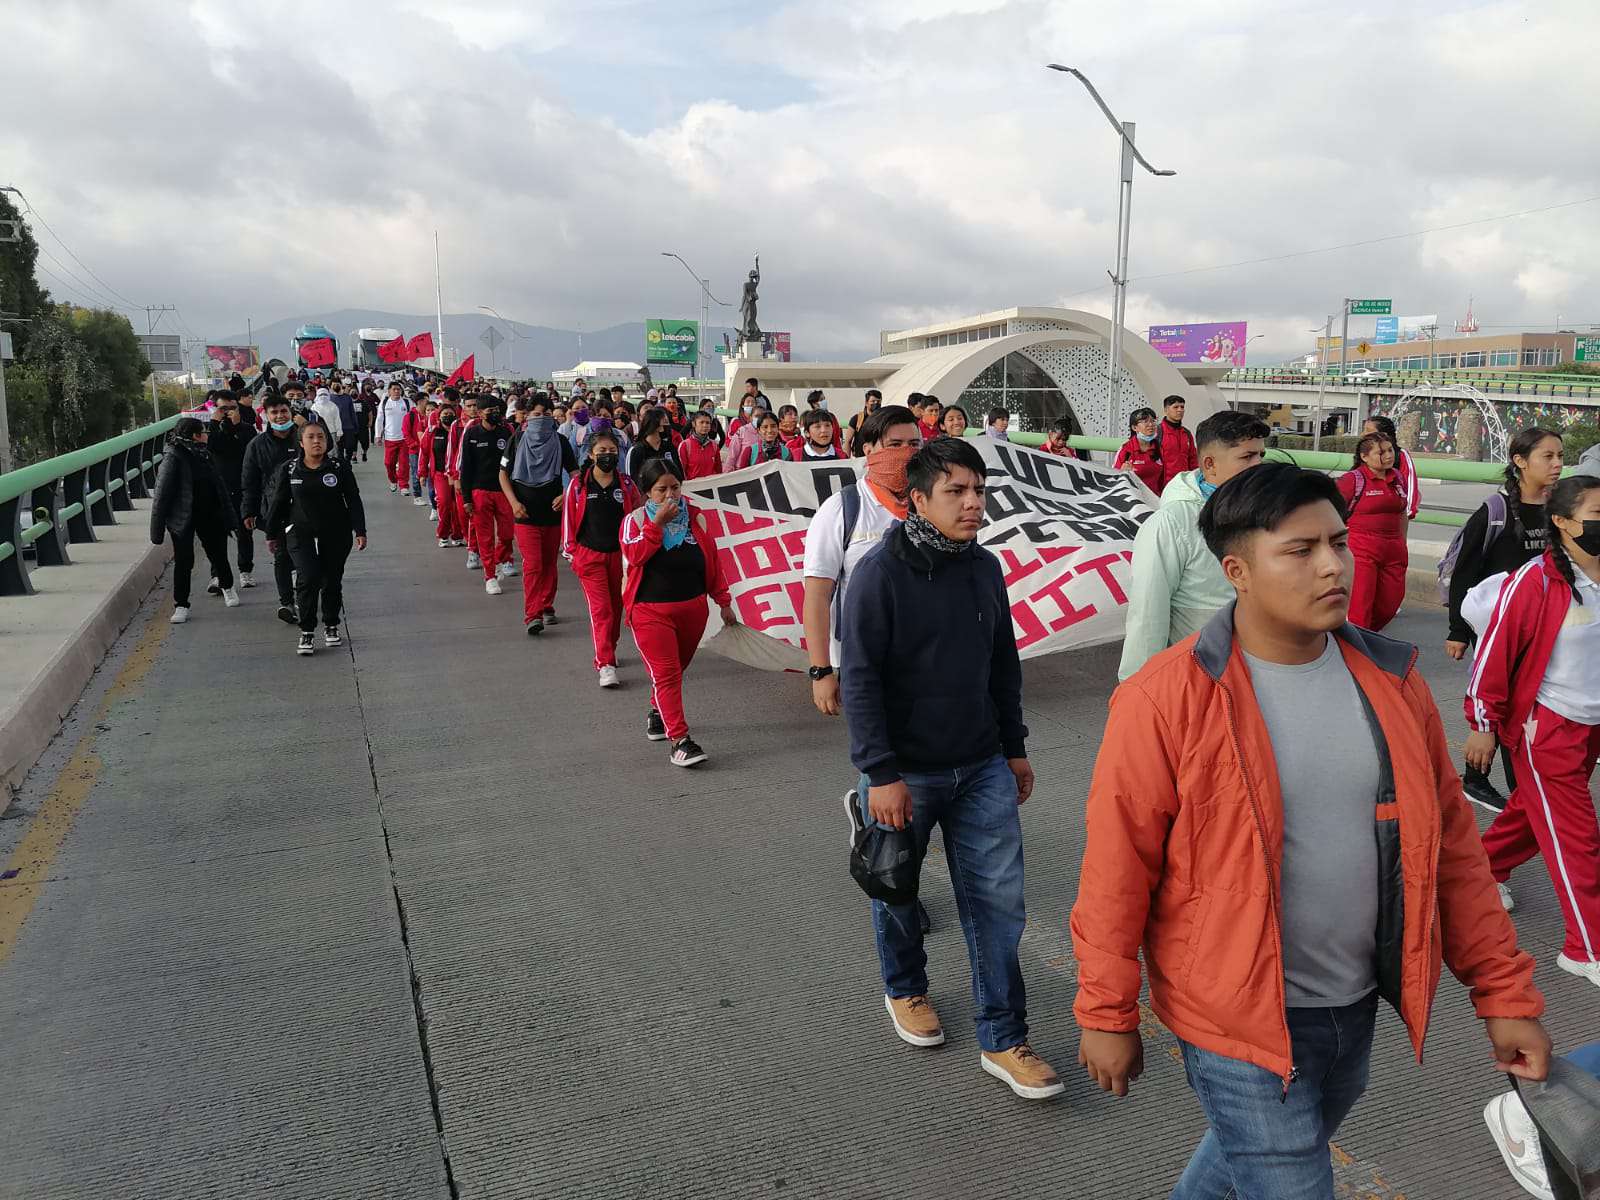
[[347, 415], [931, 678]]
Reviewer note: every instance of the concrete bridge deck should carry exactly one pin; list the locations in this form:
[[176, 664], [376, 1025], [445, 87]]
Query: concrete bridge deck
[[428, 916]]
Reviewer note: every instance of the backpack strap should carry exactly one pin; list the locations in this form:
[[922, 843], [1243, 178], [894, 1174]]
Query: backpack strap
[[850, 502], [1498, 511]]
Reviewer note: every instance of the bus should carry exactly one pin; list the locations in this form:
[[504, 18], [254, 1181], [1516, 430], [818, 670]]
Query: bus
[[364, 345], [312, 333]]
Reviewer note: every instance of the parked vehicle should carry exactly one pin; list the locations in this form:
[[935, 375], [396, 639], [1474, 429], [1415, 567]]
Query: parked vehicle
[[1366, 375]]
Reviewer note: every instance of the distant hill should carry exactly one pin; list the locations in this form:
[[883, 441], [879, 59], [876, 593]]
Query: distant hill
[[535, 353]]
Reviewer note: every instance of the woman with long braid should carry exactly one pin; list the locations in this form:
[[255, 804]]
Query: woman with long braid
[[1535, 687]]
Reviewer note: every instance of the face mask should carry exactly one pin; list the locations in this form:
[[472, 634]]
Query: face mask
[[748, 409], [1589, 540], [886, 467], [448, 419], [580, 418], [282, 426], [1145, 437], [605, 462]]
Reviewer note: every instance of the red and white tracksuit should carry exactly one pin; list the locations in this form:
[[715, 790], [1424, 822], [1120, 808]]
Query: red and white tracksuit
[[599, 573], [1409, 487], [539, 545], [1378, 543], [699, 461], [1178, 452], [667, 634], [453, 472], [436, 457], [491, 520], [1550, 810]]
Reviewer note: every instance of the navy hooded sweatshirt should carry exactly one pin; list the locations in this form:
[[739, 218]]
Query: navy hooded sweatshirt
[[930, 677]]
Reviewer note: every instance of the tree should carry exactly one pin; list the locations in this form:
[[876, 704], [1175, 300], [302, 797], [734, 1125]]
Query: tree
[[20, 293], [114, 348], [60, 360]]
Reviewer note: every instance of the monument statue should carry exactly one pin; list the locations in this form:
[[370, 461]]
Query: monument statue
[[749, 330]]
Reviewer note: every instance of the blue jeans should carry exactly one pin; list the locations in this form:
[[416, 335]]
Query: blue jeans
[[416, 479], [1586, 1058], [1264, 1144], [976, 807]]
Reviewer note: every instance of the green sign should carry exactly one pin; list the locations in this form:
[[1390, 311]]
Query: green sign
[[1587, 350], [673, 343], [1381, 308]]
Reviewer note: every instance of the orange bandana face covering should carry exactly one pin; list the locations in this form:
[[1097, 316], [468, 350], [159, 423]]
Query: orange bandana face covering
[[886, 475]]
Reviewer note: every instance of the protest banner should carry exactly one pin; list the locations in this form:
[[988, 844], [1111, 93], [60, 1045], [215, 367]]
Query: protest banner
[[1063, 531]]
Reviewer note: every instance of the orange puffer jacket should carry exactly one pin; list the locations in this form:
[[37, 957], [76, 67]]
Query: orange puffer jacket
[[1185, 841]]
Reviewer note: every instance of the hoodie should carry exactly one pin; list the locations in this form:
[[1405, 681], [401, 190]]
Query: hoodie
[[1177, 584], [931, 678]]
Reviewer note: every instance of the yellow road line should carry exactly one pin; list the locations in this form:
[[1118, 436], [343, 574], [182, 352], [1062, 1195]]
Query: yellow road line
[[35, 855]]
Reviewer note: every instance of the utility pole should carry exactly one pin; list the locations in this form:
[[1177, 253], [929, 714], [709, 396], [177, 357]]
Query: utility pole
[[152, 314], [13, 234], [1322, 378], [438, 301]]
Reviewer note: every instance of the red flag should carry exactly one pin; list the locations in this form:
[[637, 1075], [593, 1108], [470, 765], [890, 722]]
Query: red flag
[[465, 373], [420, 346], [393, 351], [318, 353]]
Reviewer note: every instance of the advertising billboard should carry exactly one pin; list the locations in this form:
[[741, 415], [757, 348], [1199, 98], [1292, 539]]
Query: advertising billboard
[[1220, 343], [1415, 329], [223, 361], [775, 345], [672, 343]]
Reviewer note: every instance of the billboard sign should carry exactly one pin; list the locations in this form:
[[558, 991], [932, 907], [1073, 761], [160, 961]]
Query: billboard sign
[[775, 345], [223, 361], [1586, 349], [1380, 308], [164, 351], [1387, 332], [1218, 344], [1416, 329], [672, 343]]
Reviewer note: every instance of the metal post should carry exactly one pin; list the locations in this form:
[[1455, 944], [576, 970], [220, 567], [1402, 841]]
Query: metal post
[[438, 302], [5, 423], [1322, 382], [1120, 298], [1344, 341]]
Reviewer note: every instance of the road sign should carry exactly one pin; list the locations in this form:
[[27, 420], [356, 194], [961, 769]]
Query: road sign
[[1587, 350], [1362, 348], [491, 337], [1381, 308]]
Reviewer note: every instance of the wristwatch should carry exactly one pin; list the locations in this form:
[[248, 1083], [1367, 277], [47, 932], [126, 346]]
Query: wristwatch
[[817, 673]]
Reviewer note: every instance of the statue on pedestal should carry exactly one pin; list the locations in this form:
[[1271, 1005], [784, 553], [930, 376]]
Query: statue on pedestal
[[749, 330]]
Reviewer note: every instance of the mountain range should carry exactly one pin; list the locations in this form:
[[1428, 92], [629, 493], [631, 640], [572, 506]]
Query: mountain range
[[526, 351]]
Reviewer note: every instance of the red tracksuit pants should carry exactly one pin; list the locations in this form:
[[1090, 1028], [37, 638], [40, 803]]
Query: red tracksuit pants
[[540, 546], [601, 577], [396, 464], [491, 517], [451, 518], [1550, 813], [464, 522], [1380, 582], [667, 636]]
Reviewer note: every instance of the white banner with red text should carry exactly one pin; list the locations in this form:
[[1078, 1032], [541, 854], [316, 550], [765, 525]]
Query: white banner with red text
[[1062, 529]]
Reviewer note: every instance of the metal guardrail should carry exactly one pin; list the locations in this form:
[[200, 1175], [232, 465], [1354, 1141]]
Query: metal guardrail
[[1492, 383], [52, 504]]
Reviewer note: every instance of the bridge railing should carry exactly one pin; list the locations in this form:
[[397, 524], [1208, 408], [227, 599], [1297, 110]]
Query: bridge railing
[[47, 507], [1493, 383]]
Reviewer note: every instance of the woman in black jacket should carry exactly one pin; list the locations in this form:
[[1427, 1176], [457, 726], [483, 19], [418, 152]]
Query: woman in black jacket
[[316, 507], [192, 500]]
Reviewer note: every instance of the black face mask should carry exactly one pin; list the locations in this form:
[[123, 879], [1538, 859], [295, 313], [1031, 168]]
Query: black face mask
[[448, 419], [1589, 540], [605, 462]]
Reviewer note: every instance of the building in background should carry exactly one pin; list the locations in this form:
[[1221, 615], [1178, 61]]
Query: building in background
[[1452, 352]]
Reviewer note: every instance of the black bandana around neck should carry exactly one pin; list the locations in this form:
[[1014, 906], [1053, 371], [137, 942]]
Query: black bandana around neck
[[922, 533]]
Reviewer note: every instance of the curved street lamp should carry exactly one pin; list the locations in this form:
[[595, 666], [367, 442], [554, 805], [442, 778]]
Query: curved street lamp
[[706, 301]]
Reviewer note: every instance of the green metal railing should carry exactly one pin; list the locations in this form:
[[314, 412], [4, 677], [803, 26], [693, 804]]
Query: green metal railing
[[1490, 382], [52, 504]]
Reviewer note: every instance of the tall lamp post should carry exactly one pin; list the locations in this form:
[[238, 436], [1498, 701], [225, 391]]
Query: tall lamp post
[[1119, 279], [1253, 337], [706, 301]]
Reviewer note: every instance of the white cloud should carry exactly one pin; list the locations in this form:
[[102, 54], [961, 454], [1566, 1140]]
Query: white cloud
[[892, 161]]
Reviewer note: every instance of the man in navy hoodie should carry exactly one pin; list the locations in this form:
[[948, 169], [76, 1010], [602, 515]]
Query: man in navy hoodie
[[932, 691]]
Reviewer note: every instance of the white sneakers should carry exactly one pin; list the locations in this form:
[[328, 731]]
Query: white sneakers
[[1505, 896], [433, 514], [1518, 1142], [474, 563], [420, 503], [444, 543], [491, 586], [230, 597], [180, 614], [608, 677], [246, 579], [1583, 970], [507, 569], [393, 488]]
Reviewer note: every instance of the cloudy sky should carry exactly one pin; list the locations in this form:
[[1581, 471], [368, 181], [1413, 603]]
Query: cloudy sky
[[893, 161]]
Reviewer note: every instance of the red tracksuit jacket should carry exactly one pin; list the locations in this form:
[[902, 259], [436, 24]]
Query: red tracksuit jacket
[[641, 538], [1145, 465], [1178, 453], [699, 461], [577, 500], [1515, 649]]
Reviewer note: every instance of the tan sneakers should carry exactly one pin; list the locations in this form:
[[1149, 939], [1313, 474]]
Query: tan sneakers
[[1023, 1071], [914, 1020]]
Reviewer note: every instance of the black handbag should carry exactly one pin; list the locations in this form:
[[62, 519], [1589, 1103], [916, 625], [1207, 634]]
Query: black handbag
[[884, 861]]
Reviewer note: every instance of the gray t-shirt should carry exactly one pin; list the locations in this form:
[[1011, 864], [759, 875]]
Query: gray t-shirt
[[1328, 773]]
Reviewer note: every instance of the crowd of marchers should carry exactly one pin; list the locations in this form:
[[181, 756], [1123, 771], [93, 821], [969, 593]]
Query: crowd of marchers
[[1277, 837]]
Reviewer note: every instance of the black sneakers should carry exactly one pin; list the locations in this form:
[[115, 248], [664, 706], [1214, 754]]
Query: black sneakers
[[687, 753], [287, 614], [549, 615], [307, 644], [1482, 792], [535, 627], [654, 727], [331, 636]]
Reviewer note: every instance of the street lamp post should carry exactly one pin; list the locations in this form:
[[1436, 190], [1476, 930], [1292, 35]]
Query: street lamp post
[[511, 350], [1119, 279], [706, 300], [1253, 337]]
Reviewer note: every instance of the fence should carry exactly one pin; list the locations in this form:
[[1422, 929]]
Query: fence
[[47, 507]]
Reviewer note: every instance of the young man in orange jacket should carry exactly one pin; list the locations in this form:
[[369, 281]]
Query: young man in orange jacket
[[1276, 824]]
